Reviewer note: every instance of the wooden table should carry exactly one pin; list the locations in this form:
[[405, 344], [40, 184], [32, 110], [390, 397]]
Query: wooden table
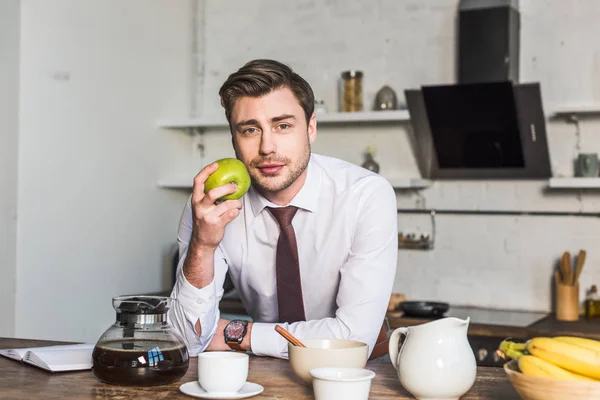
[[21, 381]]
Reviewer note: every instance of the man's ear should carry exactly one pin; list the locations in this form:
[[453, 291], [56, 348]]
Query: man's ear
[[312, 128]]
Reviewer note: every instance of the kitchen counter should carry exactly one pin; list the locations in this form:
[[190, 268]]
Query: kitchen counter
[[21, 381], [583, 328], [547, 326]]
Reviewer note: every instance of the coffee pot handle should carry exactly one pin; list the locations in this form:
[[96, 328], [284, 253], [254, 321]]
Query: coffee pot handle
[[393, 345]]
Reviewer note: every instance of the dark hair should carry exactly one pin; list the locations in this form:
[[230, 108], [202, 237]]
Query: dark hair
[[260, 77]]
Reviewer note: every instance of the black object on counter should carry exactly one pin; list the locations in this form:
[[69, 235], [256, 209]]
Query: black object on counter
[[424, 309]]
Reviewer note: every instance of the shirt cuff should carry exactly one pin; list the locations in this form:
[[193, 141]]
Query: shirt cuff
[[265, 341], [198, 304]]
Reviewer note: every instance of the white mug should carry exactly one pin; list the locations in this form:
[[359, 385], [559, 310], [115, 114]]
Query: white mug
[[222, 371]]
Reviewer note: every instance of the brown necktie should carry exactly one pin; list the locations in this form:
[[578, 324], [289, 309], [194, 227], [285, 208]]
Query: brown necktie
[[287, 267]]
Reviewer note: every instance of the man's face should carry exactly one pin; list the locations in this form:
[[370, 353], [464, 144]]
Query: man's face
[[271, 137]]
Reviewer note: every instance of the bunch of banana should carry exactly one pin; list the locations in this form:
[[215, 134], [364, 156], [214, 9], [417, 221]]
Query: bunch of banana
[[561, 357]]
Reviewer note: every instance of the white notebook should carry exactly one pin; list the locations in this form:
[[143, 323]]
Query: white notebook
[[71, 357]]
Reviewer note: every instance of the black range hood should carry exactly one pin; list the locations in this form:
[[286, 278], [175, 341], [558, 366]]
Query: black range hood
[[487, 125], [480, 131]]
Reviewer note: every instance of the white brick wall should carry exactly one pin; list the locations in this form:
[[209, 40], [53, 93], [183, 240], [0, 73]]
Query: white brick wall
[[492, 261]]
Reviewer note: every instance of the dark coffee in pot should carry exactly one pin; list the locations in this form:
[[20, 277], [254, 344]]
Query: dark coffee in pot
[[139, 362]]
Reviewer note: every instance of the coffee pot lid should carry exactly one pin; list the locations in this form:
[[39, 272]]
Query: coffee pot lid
[[140, 305]]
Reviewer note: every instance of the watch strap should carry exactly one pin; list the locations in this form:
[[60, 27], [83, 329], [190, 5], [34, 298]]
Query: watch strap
[[234, 345]]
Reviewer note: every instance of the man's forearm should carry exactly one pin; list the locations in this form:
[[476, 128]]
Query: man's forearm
[[199, 270], [199, 265]]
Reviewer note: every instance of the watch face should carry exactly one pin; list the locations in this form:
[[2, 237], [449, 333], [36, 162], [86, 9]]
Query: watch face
[[235, 329]]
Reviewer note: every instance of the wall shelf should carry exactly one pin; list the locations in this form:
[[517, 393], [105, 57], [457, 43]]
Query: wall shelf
[[574, 183], [578, 109], [397, 183], [329, 118], [409, 183], [177, 183], [369, 117]]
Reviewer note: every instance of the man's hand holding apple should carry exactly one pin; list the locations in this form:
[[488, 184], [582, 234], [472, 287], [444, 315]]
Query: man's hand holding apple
[[215, 202]]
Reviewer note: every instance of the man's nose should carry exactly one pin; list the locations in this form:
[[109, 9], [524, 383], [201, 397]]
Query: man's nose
[[267, 144]]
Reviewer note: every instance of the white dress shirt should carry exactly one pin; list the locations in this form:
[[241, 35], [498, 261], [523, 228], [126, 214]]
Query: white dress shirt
[[347, 235]]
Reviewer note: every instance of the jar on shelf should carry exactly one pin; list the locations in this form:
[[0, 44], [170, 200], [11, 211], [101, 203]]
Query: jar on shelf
[[352, 91], [386, 99]]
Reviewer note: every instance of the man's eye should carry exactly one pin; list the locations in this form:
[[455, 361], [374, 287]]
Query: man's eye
[[249, 130], [284, 126]]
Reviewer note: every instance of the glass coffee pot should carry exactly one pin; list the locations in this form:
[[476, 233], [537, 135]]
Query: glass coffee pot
[[140, 348]]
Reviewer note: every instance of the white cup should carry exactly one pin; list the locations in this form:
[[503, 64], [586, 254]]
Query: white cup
[[341, 383], [222, 371]]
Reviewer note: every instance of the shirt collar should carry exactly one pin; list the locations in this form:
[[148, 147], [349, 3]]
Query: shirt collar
[[307, 198]]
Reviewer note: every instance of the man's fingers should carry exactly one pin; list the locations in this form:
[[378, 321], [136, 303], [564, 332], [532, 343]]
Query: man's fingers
[[214, 194], [201, 177], [226, 206], [230, 215], [222, 214], [229, 210]]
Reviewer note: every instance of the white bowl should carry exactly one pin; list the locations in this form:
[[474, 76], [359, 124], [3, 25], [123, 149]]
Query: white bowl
[[325, 353], [341, 383]]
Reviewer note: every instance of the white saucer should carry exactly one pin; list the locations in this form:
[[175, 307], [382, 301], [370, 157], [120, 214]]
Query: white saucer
[[194, 389]]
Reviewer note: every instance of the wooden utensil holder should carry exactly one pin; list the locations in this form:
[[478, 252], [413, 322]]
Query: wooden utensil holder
[[567, 302]]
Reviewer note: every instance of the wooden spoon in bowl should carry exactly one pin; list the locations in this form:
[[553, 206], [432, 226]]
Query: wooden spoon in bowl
[[288, 336]]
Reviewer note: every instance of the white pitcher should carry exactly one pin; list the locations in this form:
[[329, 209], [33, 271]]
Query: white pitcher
[[435, 360]]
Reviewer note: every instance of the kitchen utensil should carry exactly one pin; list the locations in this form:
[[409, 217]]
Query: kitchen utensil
[[565, 267], [288, 336], [567, 301], [579, 266], [537, 388], [140, 348], [341, 383], [424, 309], [557, 277], [322, 353], [435, 360]]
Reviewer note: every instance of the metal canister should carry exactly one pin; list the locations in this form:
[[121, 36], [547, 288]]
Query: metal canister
[[352, 91]]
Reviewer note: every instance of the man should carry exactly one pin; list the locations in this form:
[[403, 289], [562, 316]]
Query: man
[[312, 246]]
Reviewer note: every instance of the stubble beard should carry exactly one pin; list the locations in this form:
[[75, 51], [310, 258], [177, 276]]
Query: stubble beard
[[270, 184]]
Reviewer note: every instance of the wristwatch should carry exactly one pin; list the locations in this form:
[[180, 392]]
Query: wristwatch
[[234, 333]]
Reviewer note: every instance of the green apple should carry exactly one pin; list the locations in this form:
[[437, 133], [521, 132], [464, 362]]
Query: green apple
[[231, 170]]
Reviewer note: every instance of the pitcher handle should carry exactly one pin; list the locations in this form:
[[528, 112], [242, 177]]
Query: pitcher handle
[[393, 346]]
